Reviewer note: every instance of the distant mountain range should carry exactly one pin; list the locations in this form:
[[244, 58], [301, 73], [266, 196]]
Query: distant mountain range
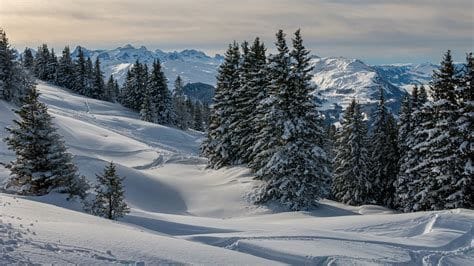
[[338, 79]]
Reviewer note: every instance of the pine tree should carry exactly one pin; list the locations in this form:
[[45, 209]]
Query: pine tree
[[98, 87], [88, 90], [351, 184], [297, 170], [462, 195], [247, 97], [110, 200], [160, 96], [179, 104], [42, 162], [147, 111], [52, 67], [404, 123], [65, 71], [15, 81], [28, 59], [134, 88], [42, 61], [80, 73], [218, 146], [383, 155], [111, 90], [198, 123], [189, 112]]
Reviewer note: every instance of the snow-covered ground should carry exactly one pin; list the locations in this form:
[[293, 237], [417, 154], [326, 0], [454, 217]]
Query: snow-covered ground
[[185, 213]]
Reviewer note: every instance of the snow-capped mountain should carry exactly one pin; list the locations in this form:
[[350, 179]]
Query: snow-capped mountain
[[191, 65], [338, 79]]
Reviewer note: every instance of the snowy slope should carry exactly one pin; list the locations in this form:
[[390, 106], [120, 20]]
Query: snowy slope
[[185, 213]]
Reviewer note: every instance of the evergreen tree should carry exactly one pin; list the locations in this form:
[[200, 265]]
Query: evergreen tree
[[15, 82], [218, 146], [88, 90], [42, 61], [42, 162], [160, 96], [179, 104], [383, 155], [111, 90], [28, 59], [297, 170], [189, 112], [247, 97], [80, 73], [198, 123], [52, 67], [147, 111], [134, 88], [462, 195], [110, 199], [351, 184], [404, 123], [65, 71], [98, 87]]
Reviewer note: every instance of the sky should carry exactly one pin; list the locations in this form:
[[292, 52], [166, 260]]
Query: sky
[[376, 31]]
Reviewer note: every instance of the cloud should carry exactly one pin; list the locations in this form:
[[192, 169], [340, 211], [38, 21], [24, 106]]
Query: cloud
[[366, 29]]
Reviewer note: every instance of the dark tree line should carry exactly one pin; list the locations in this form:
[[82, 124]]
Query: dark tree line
[[144, 91]]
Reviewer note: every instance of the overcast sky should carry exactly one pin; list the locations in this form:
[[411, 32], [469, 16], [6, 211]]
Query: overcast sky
[[376, 31]]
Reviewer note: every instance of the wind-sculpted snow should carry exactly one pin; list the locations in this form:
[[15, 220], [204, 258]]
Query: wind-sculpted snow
[[184, 213]]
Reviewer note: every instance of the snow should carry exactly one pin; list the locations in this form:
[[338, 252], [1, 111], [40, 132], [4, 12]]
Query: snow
[[182, 212]]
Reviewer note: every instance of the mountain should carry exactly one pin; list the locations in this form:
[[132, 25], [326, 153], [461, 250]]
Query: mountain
[[191, 65], [185, 213]]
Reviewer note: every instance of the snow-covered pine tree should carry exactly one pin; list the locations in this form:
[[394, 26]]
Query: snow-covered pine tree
[[160, 96], [110, 199], [28, 59], [442, 142], [147, 111], [15, 81], [463, 185], [42, 60], [179, 104], [408, 179], [65, 71], [351, 182], [42, 162], [80, 72], [383, 155], [217, 147], [247, 98], [198, 123], [135, 87], [110, 90], [89, 78], [404, 123], [97, 90], [189, 112], [52, 67], [297, 171]]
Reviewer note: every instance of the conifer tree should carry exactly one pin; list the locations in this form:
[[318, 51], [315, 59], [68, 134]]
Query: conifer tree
[[404, 123], [28, 59], [80, 73], [111, 90], [52, 67], [89, 78], [98, 87], [297, 170], [42, 162], [462, 195], [15, 82], [110, 199], [147, 111], [351, 184], [65, 71], [134, 88], [383, 155], [179, 104], [42, 61], [218, 146], [198, 123], [160, 96]]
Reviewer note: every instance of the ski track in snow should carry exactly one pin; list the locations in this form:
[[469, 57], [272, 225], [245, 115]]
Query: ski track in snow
[[185, 213]]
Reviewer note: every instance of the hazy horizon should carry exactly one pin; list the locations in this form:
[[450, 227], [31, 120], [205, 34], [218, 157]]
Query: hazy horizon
[[376, 32]]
